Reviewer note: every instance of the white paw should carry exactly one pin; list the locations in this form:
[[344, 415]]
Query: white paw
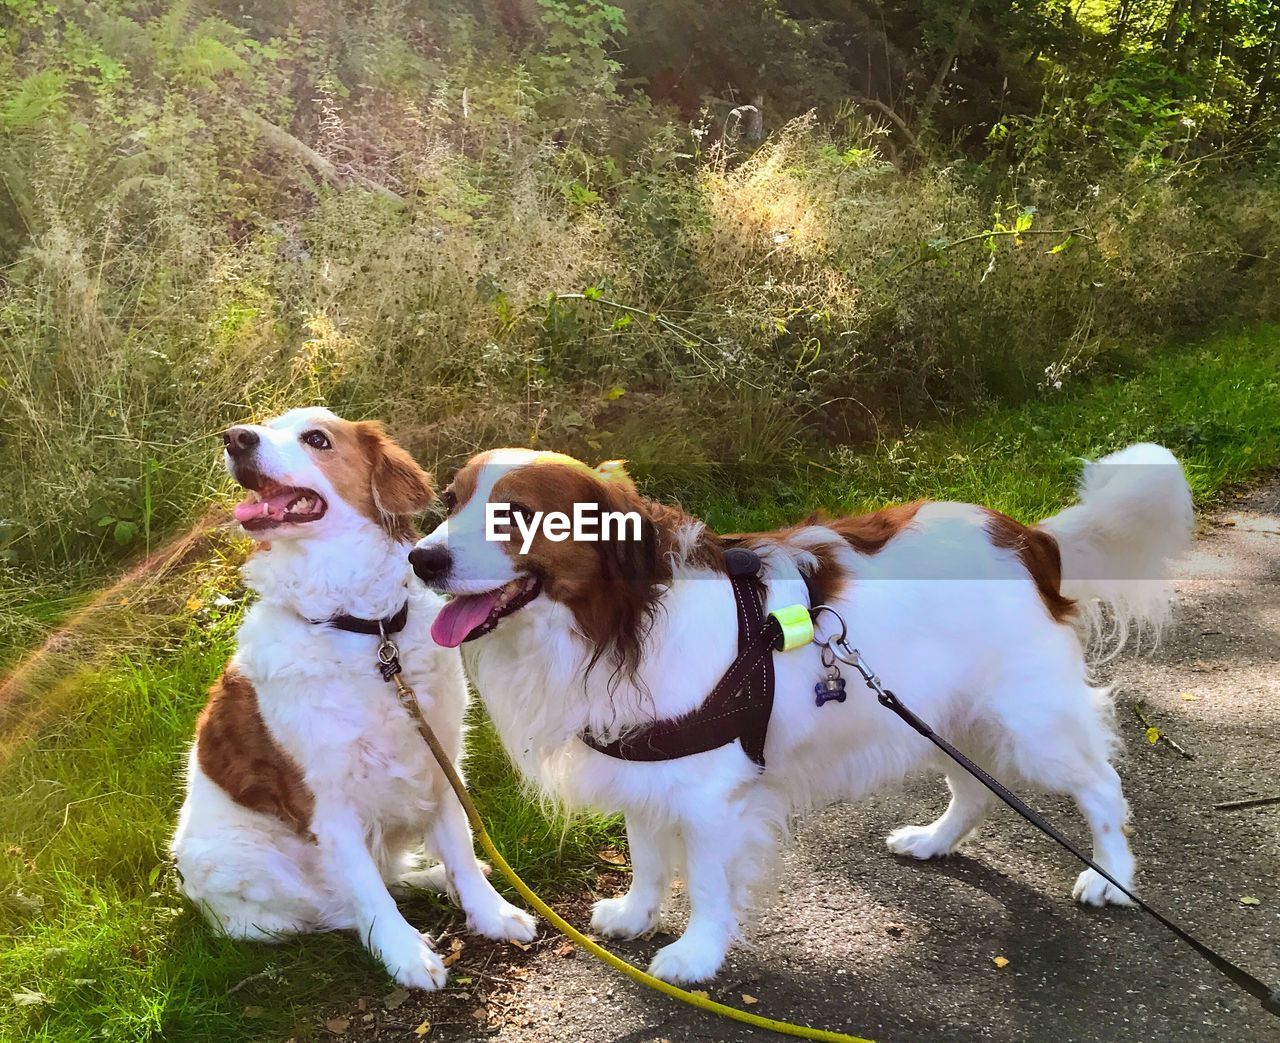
[[1092, 889], [687, 961], [918, 842], [410, 960], [503, 922], [623, 917]]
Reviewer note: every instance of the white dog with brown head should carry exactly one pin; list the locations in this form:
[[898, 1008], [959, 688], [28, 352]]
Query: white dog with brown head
[[309, 789]]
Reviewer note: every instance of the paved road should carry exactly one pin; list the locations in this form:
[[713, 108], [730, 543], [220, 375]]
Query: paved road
[[859, 941]]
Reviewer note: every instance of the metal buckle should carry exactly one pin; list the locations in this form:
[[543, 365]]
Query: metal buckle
[[837, 647]]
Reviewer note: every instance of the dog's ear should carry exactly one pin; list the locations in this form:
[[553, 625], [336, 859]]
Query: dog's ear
[[627, 559], [400, 487], [614, 472]]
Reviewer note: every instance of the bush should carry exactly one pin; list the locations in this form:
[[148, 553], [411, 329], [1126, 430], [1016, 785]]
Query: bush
[[500, 241]]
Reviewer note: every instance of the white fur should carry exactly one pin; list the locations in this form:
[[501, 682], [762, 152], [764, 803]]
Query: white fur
[[951, 623], [379, 796], [1134, 516]]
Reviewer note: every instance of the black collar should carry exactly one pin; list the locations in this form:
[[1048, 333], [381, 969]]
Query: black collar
[[377, 627]]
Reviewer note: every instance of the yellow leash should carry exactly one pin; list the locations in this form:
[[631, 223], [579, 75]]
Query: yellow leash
[[702, 1002]]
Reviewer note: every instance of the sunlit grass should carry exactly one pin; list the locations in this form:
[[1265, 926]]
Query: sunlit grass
[[95, 935]]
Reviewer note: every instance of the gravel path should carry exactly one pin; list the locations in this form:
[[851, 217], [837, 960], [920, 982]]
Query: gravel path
[[859, 941]]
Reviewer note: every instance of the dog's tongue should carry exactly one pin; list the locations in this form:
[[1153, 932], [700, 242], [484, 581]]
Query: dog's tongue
[[461, 616], [273, 507]]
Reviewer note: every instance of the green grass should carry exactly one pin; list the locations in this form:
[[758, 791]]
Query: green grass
[[90, 916]]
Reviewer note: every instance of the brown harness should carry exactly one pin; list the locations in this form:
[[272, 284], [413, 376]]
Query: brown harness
[[741, 703]]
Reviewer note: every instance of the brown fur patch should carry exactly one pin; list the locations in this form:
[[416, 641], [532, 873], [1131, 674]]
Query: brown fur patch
[[868, 533], [373, 474], [237, 751], [464, 483], [1038, 551], [827, 580], [865, 533]]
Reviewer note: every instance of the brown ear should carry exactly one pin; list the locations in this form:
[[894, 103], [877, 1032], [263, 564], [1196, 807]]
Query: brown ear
[[400, 486]]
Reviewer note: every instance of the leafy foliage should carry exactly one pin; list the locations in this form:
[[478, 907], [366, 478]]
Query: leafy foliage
[[510, 209]]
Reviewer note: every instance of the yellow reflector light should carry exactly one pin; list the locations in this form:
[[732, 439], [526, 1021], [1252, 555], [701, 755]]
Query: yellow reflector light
[[797, 626]]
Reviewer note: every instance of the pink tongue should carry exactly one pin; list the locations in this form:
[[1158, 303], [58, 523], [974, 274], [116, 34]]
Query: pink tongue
[[461, 616], [272, 507]]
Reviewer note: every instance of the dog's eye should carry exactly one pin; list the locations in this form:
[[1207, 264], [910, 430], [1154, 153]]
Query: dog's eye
[[317, 440], [521, 510], [450, 501]]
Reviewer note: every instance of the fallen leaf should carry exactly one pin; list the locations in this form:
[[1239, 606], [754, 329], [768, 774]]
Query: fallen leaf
[[462, 981], [395, 998], [30, 998], [1249, 900], [455, 952], [337, 1025], [1187, 697], [612, 855], [565, 949], [519, 945], [699, 993], [1153, 735], [1000, 961], [749, 1000], [422, 1029], [254, 1012]]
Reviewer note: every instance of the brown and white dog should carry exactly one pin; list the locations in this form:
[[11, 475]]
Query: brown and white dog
[[309, 789], [974, 619]]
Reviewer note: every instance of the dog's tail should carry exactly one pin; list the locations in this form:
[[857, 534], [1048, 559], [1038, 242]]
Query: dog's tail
[[1134, 516]]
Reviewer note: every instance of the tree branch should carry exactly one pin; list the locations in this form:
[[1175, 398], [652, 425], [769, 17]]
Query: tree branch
[[284, 142]]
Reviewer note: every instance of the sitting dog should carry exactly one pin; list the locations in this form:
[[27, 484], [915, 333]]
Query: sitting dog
[[309, 789], [978, 622]]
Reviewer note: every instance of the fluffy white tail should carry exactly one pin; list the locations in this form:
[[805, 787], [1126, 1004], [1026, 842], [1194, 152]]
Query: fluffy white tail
[[1133, 518]]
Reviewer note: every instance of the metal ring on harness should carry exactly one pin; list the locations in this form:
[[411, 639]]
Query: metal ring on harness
[[844, 629]]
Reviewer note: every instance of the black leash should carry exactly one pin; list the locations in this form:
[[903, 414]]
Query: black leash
[[1255, 987], [740, 705]]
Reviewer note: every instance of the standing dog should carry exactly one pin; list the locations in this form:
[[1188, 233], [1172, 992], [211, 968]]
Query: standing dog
[[975, 619], [308, 787]]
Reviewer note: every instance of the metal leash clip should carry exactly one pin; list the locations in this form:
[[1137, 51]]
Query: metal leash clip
[[836, 648], [388, 655]]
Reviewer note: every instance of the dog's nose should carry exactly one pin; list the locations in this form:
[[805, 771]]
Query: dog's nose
[[430, 563], [239, 440]]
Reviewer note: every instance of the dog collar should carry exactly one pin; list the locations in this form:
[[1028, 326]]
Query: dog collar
[[392, 624]]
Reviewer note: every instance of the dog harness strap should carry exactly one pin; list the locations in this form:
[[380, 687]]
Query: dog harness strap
[[738, 707], [376, 627]]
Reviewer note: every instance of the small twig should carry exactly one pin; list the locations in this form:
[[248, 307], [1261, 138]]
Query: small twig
[[936, 252], [1162, 737], [688, 336], [1253, 802], [267, 975]]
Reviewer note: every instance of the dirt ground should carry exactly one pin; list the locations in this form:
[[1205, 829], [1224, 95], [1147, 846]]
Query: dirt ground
[[859, 941]]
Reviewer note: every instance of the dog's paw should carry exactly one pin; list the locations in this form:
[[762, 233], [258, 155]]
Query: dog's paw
[[623, 917], [503, 922], [411, 961], [685, 962], [1092, 889], [917, 842]]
